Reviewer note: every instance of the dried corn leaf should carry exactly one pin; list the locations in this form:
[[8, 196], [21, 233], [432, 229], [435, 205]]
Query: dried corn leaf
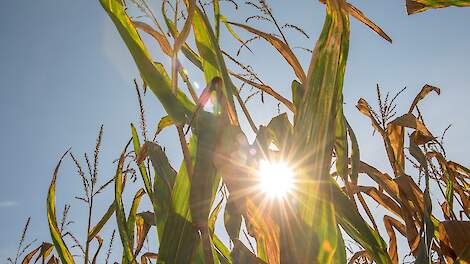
[[424, 91], [282, 47]]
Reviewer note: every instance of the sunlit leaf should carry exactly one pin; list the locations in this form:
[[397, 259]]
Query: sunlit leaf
[[178, 106]]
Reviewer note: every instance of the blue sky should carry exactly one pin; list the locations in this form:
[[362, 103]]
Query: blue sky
[[64, 71]]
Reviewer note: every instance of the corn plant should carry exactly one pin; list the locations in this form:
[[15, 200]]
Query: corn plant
[[220, 165]]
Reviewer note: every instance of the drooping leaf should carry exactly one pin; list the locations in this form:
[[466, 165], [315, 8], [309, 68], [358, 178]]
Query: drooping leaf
[[30, 255], [365, 109], [282, 47], [163, 123], [353, 224], [391, 223], [357, 14], [100, 244], [160, 38], [132, 215], [424, 91], [148, 256], [143, 222]]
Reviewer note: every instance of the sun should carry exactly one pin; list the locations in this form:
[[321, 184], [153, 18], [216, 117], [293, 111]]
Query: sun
[[276, 179]]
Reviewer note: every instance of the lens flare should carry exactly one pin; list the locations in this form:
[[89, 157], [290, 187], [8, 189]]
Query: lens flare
[[276, 179]]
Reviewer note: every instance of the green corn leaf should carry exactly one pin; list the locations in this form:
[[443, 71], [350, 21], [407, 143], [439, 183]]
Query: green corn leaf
[[224, 252], [314, 121], [186, 49], [205, 180], [297, 93], [177, 247], [232, 32], [217, 17], [142, 169], [165, 177], [355, 154], [212, 60], [232, 218], [104, 219], [416, 6], [356, 227], [59, 244], [281, 130], [340, 253], [341, 145], [128, 256], [178, 106], [213, 216], [427, 231]]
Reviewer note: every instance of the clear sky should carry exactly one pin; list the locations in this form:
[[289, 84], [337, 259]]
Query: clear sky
[[64, 71]]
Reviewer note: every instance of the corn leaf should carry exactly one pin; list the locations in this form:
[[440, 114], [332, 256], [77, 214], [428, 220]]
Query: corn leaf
[[128, 255], [104, 219], [416, 6], [212, 60], [59, 244], [355, 154], [163, 123], [282, 47], [132, 215], [164, 180], [314, 122], [140, 156], [341, 145], [205, 180], [177, 247], [355, 226], [178, 106]]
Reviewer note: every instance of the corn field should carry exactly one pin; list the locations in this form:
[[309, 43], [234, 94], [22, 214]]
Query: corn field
[[219, 172]]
